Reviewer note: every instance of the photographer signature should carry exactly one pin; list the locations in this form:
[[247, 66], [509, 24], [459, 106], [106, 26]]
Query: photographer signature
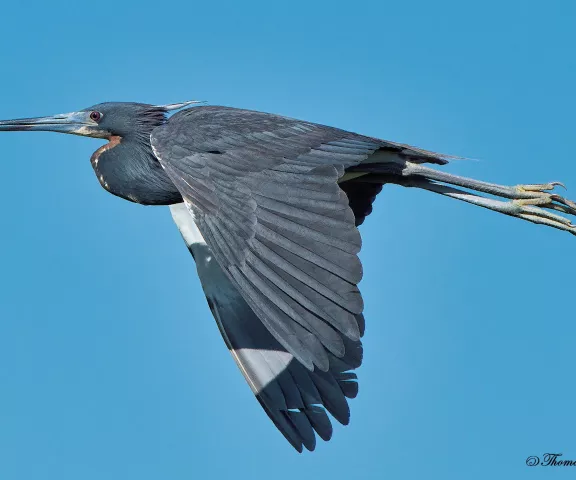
[[549, 460]]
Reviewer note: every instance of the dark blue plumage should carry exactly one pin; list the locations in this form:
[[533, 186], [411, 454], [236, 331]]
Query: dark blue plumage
[[269, 208]]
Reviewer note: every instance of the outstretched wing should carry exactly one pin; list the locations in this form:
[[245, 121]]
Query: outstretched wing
[[264, 193], [294, 398]]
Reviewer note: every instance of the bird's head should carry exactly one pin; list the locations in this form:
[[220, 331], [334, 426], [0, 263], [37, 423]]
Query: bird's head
[[126, 166], [105, 120]]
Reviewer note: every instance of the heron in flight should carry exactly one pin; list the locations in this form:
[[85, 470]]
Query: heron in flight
[[269, 207]]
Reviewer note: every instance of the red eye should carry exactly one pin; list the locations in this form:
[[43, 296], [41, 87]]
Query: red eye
[[95, 116]]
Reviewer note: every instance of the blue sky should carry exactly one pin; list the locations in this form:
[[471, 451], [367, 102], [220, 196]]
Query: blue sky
[[110, 363]]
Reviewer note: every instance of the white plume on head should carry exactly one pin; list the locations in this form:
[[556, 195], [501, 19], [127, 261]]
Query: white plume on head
[[178, 106]]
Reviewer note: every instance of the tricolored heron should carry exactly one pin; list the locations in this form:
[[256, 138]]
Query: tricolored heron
[[269, 208]]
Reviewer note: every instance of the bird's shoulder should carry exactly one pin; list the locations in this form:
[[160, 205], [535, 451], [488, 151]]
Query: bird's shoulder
[[218, 129], [237, 118]]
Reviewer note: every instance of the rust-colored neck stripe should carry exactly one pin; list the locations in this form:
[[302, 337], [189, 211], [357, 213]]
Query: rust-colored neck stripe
[[114, 141]]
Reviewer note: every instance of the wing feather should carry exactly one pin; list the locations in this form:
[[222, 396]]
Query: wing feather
[[264, 193], [294, 397]]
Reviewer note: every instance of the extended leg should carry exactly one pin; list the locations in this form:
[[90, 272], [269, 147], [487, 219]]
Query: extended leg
[[528, 202]]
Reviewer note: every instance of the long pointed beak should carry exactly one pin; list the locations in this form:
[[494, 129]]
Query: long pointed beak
[[78, 123]]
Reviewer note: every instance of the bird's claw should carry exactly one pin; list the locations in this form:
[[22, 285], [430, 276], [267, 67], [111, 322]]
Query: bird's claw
[[540, 187], [539, 194], [533, 201]]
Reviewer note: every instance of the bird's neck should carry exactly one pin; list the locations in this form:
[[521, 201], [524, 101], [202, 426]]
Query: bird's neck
[[127, 168], [113, 141]]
